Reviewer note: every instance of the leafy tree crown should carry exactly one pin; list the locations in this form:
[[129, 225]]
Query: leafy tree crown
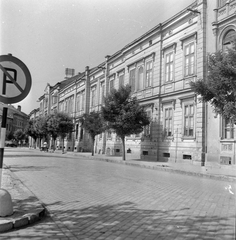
[[123, 113], [219, 88]]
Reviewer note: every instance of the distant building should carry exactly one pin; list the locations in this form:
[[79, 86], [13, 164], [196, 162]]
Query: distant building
[[159, 65], [16, 119]]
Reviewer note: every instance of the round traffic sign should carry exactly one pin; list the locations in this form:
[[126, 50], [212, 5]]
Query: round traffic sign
[[15, 79]]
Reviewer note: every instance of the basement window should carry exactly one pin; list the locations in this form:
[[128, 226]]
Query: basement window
[[166, 155], [188, 157]]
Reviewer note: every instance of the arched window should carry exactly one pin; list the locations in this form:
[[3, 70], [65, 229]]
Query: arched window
[[228, 39]]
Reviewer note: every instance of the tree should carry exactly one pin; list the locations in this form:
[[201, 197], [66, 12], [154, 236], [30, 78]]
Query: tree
[[31, 130], [94, 124], [53, 127], [65, 126], [10, 136], [19, 135], [123, 114], [41, 127], [219, 89]]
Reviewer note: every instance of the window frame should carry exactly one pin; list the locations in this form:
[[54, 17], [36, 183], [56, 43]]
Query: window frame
[[229, 127], [221, 3], [140, 81], [168, 64], [148, 73], [78, 102], [168, 119], [121, 79], [188, 56], [188, 117], [147, 129], [111, 83], [132, 79], [93, 96], [82, 100], [102, 99]]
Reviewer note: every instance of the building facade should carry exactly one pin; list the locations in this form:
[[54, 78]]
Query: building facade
[[16, 119], [221, 133], [159, 66]]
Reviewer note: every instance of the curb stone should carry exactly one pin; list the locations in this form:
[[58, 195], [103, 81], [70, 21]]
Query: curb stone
[[25, 220]]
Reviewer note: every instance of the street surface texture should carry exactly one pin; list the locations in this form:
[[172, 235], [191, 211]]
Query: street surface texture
[[91, 199]]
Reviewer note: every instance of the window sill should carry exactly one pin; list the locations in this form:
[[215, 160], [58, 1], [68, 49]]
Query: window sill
[[168, 82], [227, 140], [188, 138], [190, 76], [170, 138]]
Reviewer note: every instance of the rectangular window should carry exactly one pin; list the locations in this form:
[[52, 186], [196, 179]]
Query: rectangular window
[[147, 129], [188, 120], [149, 74], [111, 84], [109, 134], [140, 78], [93, 97], [169, 66], [103, 94], [83, 98], [168, 121], [221, 3], [228, 128], [76, 131], [121, 80], [54, 99], [189, 56], [61, 106], [66, 106], [78, 102], [70, 104], [132, 79]]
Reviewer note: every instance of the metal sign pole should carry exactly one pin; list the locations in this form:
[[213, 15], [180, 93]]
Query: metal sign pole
[[2, 140]]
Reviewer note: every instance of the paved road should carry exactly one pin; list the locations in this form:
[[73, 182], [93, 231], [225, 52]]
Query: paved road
[[91, 199]]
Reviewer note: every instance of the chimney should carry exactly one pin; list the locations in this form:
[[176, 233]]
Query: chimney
[[19, 108], [70, 72]]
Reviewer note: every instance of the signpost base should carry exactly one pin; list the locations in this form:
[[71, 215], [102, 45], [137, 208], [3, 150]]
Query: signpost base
[[6, 206]]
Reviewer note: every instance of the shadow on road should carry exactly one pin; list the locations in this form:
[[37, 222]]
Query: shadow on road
[[125, 221]]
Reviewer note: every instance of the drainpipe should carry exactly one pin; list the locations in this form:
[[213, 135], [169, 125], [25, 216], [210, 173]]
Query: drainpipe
[[106, 93], [87, 89], [159, 103]]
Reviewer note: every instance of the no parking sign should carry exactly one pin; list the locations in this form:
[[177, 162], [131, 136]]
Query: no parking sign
[[15, 79]]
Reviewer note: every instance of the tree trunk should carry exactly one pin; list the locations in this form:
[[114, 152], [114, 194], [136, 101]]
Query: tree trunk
[[93, 141], [34, 143], [123, 147], [62, 145]]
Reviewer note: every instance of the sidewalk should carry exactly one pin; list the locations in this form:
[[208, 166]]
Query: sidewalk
[[227, 173], [26, 207]]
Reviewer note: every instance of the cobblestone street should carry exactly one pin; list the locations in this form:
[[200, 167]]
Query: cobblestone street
[[89, 199]]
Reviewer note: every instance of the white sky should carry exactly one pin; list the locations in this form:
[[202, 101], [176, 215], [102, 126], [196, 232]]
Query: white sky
[[51, 35]]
